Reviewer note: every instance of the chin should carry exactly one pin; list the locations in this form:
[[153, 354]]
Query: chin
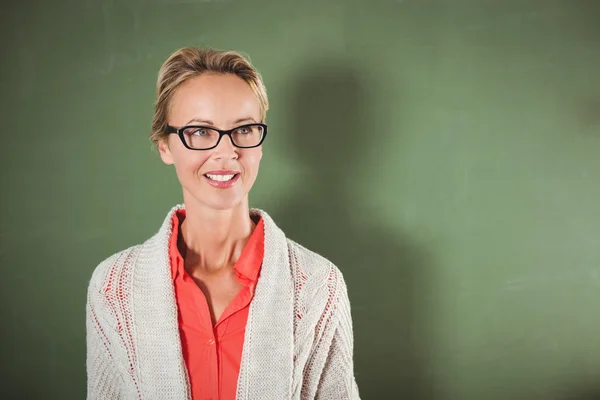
[[216, 199], [222, 203], [223, 206]]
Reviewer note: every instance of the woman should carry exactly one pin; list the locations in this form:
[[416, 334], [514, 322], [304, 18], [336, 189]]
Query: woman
[[218, 304]]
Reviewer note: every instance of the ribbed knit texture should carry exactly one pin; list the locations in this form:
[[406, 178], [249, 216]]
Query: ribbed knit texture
[[298, 342]]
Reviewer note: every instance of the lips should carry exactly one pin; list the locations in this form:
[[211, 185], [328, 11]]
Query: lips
[[222, 179]]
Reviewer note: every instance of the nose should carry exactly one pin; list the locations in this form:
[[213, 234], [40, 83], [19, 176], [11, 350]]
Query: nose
[[225, 149]]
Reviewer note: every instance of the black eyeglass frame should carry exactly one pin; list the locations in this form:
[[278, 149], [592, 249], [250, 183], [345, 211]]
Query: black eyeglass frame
[[179, 132]]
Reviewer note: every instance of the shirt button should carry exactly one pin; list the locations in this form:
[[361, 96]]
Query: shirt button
[[211, 341]]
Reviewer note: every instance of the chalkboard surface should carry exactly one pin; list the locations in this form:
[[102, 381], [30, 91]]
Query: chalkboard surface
[[444, 154]]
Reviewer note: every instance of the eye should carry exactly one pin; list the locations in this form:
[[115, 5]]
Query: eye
[[201, 132], [244, 130], [194, 131]]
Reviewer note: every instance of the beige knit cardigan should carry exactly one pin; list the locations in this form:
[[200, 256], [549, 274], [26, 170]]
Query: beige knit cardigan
[[298, 342]]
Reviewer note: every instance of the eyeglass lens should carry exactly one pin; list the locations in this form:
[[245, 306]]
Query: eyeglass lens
[[201, 137]]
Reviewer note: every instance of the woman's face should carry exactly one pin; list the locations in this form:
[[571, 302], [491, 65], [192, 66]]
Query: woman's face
[[221, 101]]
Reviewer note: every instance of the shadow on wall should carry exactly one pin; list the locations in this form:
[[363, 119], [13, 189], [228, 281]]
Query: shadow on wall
[[330, 135], [587, 13], [585, 29], [589, 394]]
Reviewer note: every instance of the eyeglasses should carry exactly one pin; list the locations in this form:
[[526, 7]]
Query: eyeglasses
[[197, 137]]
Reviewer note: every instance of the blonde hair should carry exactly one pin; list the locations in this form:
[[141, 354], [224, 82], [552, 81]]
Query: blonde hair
[[190, 62]]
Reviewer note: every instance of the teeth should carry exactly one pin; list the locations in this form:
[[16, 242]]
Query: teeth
[[220, 178]]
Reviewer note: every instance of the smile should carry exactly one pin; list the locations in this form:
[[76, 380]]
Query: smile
[[220, 178], [222, 181]]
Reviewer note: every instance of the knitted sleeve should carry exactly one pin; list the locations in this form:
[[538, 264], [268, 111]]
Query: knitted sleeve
[[337, 380], [103, 380]]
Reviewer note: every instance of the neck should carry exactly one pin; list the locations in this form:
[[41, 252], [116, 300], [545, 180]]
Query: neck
[[214, 239]]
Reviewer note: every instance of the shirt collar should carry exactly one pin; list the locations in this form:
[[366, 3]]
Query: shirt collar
[[250, 261], [248, 265], [175, 257]]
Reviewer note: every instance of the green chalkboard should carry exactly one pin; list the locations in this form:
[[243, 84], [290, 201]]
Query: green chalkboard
[[444, 154]]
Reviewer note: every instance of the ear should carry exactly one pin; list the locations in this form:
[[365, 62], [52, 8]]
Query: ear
[[165, 152]]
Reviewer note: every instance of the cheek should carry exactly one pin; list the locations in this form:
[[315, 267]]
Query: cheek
[[253, 160], [189, 163]]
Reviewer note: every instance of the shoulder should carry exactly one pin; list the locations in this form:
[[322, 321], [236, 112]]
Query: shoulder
[[111, 274], [309, 261], [314, 273], [119, 266], [318, 283]]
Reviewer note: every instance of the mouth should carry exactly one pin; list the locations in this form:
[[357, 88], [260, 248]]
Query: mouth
[[222, 178], [222, 181]]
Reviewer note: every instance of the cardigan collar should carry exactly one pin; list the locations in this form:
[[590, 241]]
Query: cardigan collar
[[155, 330]]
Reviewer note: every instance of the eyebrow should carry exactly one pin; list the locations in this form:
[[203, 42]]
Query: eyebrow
[[209, 122]]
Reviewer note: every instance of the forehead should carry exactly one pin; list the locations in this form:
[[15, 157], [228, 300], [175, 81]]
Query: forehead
[[219, 98]]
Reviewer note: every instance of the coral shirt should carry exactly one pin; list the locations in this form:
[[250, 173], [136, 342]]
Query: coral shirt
[[213, 354]]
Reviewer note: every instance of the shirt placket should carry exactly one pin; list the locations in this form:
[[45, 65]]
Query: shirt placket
[[203, 314]]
